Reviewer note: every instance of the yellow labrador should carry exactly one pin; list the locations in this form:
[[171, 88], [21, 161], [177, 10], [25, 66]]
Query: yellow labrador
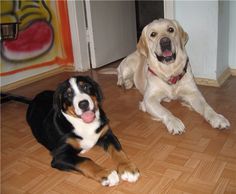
[[160, 70]]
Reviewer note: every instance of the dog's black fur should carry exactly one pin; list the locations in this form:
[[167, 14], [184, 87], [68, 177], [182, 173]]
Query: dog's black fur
[[49, 116], [52, 129]]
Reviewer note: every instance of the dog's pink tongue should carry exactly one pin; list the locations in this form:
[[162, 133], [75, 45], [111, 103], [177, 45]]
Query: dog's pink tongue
[[167, 53], [88, 116]]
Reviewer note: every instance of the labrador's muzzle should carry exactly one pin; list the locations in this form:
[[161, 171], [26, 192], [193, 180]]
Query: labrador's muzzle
[[166, 49]]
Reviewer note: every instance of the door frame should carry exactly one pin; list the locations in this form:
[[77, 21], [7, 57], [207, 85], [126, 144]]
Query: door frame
[[90, 33], [79, 35], [78, 30], [169, 12]]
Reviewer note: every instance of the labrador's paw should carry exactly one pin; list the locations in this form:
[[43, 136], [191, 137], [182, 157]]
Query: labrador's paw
[[175, 126], [218, 121]]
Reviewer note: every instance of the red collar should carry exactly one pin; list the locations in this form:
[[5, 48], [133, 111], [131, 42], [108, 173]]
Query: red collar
[[173, 79]]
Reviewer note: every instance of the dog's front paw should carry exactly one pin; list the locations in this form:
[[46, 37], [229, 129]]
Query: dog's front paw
[[111, 180], [218, 121], [130, 176], [175, 126], [128, 172]]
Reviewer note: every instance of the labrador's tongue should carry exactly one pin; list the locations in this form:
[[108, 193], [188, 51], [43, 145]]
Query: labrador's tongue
[[167, 53], [88, 116]]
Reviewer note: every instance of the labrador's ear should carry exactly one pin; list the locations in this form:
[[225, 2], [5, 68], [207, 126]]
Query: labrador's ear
[[142, 46], [183, 35]]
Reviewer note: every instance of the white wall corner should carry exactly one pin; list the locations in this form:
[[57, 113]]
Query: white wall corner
[[232, 39], [223, 38]]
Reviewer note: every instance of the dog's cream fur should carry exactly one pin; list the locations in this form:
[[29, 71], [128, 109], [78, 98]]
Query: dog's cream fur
[[133, 70]]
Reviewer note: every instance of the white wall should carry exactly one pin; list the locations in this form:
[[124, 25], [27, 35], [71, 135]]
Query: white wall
[[211, 26], [200, 20], [232, 34]]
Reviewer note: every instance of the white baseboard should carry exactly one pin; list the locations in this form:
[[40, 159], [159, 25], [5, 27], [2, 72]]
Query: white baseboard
[[224, 76], [206, 82], [233, 72], [200, 81], [35, 78], [216, 83]]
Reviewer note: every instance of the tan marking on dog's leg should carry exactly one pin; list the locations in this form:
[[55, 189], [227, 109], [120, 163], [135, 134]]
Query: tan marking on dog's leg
[[104, 130], [92, 170], [127, 170], [73, 142]]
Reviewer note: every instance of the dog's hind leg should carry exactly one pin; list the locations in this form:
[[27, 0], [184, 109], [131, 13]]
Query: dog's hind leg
[[125, 75]]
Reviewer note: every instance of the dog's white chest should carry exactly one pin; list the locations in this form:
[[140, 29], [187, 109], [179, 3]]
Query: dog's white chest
[[87, 131], [88, 134], [88, 143]]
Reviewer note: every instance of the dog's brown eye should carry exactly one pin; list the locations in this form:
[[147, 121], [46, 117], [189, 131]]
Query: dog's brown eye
[[86, 87], [69, 92], [170, 29], [153, 34]]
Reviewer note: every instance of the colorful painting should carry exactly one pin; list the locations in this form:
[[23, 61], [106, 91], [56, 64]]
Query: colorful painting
[[43, 37]]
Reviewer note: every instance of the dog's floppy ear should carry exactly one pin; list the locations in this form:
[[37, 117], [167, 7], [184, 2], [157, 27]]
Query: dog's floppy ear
[[182, 33], [142, 46], [57, 97], [99, 94]]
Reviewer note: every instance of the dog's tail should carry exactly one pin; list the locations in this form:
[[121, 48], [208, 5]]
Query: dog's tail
[[111, 71], [5, 97]]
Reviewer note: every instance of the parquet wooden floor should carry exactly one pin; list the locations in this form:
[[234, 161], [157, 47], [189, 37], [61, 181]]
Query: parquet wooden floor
[[203, 160]]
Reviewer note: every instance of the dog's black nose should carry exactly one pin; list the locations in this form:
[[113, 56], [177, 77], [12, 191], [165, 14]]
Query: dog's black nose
[[165, 43], [84, 104], [165, 40]]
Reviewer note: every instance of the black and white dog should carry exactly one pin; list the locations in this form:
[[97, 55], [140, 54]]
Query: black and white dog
[[69, 122]]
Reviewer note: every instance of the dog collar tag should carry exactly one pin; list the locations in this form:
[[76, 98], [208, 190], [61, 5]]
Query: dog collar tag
[[174, 79]]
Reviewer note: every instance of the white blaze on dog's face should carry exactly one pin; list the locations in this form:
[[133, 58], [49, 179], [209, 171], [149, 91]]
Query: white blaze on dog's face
[[82, 102], [79, 97], [163, 40]]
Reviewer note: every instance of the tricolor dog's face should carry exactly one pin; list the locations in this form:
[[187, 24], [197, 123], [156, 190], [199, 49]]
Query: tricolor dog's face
[[162, 40], [78, 97]]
